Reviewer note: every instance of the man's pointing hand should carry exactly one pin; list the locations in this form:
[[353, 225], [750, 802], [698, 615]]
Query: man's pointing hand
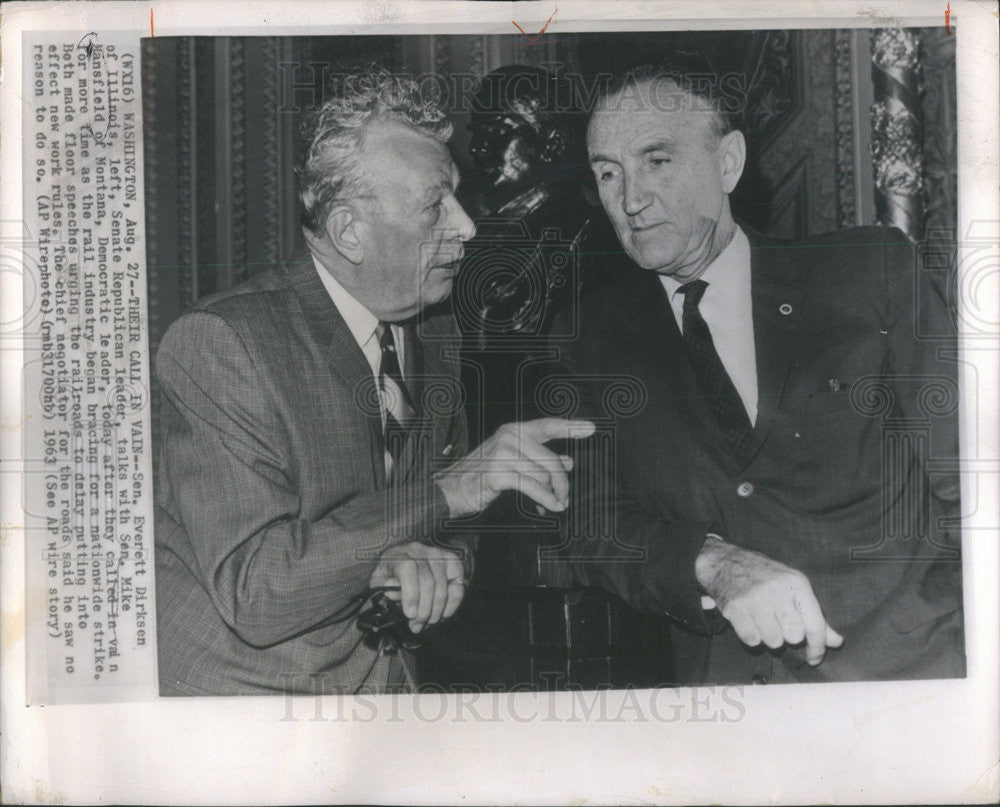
[[514, 458]]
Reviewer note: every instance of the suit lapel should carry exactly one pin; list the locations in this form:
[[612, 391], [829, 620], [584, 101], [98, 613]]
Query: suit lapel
[[658, 340], [413, 369], [427, 362], [344, 357], [775, 323], [775, 306]]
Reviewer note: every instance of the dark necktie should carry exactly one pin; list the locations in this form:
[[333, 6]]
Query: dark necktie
[[400, 413], [712, 377]]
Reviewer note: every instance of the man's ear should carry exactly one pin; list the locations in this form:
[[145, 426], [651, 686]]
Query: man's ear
[[343, 227], [732, 159]]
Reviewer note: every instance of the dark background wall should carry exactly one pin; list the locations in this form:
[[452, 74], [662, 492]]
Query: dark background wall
[[221, 114]]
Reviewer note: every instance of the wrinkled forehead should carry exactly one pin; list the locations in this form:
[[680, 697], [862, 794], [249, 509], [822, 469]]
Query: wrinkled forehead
[[399, 154], [645, 108], [657, 94]]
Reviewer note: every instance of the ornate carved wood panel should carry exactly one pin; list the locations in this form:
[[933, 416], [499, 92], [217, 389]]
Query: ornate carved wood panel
[[940, 141], [220, 197], [791, 187]]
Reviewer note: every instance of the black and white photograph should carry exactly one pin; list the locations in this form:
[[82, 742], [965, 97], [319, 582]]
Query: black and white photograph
[[622, 359], [444, 401]]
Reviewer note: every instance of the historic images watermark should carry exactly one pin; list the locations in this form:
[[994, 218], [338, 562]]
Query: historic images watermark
[[431, 703], [303, 85]]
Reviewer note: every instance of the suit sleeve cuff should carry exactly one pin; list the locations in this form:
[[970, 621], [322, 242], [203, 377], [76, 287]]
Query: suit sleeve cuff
[[670, 578], [443, 534]]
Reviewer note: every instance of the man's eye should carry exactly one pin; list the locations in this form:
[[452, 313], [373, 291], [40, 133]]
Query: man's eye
[[604, 174], [659, 161]]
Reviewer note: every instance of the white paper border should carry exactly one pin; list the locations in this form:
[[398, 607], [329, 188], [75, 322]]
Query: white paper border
[[872, 743]]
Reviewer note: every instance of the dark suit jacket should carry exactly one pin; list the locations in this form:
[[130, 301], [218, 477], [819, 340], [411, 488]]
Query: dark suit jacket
[[272, 503], [851, 477]]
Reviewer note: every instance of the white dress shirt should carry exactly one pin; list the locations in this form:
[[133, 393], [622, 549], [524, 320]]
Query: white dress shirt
[[727, 309], [362, 324]]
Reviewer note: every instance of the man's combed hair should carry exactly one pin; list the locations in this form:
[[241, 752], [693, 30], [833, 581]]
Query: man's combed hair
[[692, 73], [328, 170]]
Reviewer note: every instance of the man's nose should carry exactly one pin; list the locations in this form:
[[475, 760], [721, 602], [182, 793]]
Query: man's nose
[[460, 220], [635, 198]]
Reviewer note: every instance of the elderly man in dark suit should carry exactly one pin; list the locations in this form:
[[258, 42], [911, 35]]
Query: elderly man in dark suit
[[773, 484], [312, 430]]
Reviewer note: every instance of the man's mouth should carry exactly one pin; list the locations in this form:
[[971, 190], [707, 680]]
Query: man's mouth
[[451, 266], [643, 228]]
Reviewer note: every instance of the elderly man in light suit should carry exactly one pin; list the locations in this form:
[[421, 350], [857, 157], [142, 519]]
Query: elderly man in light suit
[[312, 432]]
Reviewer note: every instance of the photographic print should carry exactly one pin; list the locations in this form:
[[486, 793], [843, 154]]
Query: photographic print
[[448, 401]]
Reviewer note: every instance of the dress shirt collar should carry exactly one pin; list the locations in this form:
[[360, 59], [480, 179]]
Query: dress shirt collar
[[360, 321], [728, 274]]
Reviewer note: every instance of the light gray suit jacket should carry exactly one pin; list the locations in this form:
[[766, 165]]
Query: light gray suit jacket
[[271, 499]]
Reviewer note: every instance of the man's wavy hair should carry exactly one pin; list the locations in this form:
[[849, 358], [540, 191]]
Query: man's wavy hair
[[329, 170]]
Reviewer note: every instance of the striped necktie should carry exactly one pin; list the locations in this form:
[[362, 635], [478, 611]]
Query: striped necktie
[[400, 414], [712, 377]]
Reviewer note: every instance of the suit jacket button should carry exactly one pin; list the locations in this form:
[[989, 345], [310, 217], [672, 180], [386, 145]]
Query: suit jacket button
[[744, 489], [758, 678]]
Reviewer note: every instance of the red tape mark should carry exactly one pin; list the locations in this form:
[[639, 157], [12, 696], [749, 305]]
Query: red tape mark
[[151, 23], [533, 40]]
